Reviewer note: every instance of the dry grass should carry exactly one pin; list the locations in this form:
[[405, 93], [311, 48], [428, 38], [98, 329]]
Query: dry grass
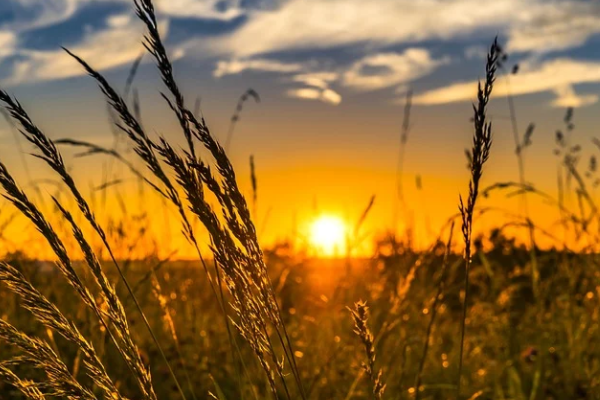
[[360, 315], [482, 143]]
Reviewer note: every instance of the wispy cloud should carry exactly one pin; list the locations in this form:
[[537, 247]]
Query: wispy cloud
[[372, 72], [566, 97], [237, 66], [33, 14], [324, 95], [316, 83], [207, 9], [8, 41], [390, 69], [323, 24], [317, 87], [320, 80], [553, 25], [531, 25], [116, 45], [557, 76], [539, 26], [373, 30]]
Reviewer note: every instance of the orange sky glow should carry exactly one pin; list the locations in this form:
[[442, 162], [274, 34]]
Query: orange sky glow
[[325, 135]]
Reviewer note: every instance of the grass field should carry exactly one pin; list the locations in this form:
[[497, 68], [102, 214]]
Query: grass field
[[517, 345], [471, 317]]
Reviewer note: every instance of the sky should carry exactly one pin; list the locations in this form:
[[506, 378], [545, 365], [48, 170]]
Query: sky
[[332, 77]]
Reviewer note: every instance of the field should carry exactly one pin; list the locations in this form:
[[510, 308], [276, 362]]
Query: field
[[470, 317], [518, 345]]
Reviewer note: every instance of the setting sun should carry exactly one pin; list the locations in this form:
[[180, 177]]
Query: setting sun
[[328, 235]]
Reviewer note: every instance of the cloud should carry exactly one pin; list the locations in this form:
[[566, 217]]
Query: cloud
[[329, 96], [238, 66], [320, 80], [316, 82], [369, 73], [117, 44], [34, 14], [31, 14], [389, 69], [324, 95], [539, 25], [531, 25], [8, 41], [322, 24], [558, 76], [476, 52], [554, 26], [566, 97], [114, 46], [318, 87], [119, 20], [206, 9]]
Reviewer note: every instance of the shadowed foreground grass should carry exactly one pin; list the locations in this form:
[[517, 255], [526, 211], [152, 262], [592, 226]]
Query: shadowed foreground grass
[[515, 348]]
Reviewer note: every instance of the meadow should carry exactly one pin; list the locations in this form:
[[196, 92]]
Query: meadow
[[471, 317]]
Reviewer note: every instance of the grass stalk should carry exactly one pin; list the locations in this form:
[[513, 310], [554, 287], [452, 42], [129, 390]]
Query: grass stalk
[[479, 154]]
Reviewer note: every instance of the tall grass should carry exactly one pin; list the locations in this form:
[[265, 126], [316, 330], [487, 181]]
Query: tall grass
[[400, 201], [482, 143], [360, 315], [237, 114], [238, 258]]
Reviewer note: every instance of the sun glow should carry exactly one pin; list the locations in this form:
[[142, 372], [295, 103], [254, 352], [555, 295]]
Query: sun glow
[[328, 235]]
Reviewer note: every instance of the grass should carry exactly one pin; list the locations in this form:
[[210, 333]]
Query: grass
[[482, 143], [500, 321]]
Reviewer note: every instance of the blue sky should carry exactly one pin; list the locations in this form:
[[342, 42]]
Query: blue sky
[[332, 75]]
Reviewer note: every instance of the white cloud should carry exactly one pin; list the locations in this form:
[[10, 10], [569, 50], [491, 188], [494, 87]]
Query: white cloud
[[32, 14], [538, 24], [319, 80], [119, 20], [318, 87], [117, 44], [322, 24], [330, 96], [208, 9], [566, 97], [324, 95], [237, 66], [369, 73], [8, 42], [554, 25], [558, 76], [389, 69], [531, 25], [112, 47]]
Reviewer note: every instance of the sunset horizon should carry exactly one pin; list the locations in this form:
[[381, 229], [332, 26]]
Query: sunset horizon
[[337, 158]]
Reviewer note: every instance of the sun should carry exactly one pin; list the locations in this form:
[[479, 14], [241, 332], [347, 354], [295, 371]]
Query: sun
[[328, 235]]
